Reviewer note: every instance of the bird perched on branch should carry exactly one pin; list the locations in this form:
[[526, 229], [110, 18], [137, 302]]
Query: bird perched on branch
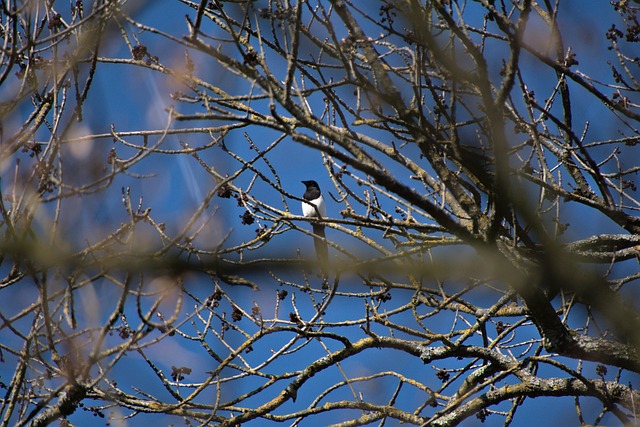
[[315, 207]]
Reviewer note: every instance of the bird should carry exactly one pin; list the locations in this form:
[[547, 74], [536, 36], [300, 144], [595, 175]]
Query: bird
[[315, 207]]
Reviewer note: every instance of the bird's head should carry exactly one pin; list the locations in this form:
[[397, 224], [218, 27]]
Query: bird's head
[[311, 184]]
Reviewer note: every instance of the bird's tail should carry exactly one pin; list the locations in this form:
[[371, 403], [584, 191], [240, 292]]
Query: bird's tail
[[322, 250]]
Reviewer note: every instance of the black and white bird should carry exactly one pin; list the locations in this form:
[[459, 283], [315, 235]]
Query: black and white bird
[[315, 207]]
